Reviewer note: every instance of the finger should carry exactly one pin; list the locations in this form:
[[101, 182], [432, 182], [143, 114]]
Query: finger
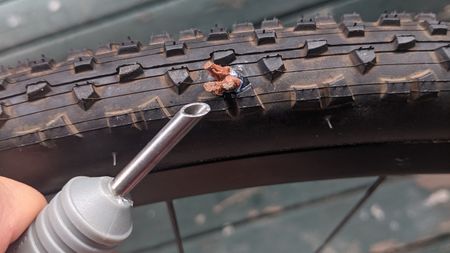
[[19, 205]]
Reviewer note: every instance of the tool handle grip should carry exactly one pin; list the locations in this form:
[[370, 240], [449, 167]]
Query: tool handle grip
[[83, 217]]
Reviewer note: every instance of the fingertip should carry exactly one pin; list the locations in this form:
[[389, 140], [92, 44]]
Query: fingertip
[[22, 204]]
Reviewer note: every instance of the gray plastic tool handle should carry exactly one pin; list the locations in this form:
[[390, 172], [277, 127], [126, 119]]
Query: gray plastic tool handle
[[85, 216]]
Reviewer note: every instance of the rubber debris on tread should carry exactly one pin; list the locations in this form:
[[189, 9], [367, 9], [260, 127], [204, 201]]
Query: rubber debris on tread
[[223, 57], [37, 90], [226, 79], [444, 56], [272, 66], [85, 95], [129, 72], [84, 63], [316, 47], [180, 78], [174, 48], [404, 42], [305, 25], [364, 58], [217, 33], [264, 36]]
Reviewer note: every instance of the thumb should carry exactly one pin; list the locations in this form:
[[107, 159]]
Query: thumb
[[19, 205]]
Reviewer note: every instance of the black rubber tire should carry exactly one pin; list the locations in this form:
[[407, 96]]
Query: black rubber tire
[[326, 100]]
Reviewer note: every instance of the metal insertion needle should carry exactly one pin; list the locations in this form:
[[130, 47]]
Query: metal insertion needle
[[158, 147]]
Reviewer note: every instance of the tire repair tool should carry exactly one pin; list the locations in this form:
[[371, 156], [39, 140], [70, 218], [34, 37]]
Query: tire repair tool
[[93, 214]]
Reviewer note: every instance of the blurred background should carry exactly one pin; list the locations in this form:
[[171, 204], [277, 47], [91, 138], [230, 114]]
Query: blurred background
[[407, 214], [54, 27], [404, 214]]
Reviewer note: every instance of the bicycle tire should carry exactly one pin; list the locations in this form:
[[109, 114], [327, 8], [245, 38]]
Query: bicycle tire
[[326, 99]]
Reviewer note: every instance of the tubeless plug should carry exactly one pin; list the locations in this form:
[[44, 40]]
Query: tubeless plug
[[93, 214]]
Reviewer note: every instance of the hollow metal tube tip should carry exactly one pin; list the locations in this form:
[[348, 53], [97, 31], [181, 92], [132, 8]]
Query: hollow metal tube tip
[[186, 118]]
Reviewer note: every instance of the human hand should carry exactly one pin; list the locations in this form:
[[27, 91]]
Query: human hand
[[19, 205]]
